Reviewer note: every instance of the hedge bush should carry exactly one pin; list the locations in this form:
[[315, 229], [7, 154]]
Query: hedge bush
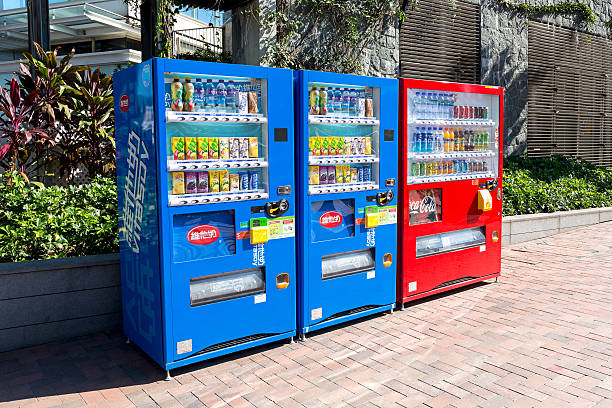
[[557, 183], [57, 222]]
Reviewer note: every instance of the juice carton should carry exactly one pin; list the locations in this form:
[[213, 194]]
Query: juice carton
[[178, 183], [347, 145], [253, 147], [244, 148], [354, 175], [368, 145], [191, 148], [316, 151], [339, 174], [177, 145], [234, 182], [340, 145], [234, 147], [323, 175], [213, 148], [213, 181], [191, 182], [224, 148], [325, 146], [224, 180], [332, 146], [311, 145], [202, 148], [313, 175], [331, 174], [202, 182]]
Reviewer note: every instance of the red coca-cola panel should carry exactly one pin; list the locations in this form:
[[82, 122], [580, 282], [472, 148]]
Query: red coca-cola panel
[[444, 214]]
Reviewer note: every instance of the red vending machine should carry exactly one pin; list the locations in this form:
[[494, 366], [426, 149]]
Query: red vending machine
[[451, 186]]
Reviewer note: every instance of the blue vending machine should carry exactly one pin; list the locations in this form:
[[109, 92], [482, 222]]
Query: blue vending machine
[[347, 154], [206, 207]]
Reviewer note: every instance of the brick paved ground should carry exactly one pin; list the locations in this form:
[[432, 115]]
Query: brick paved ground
[[541, 337]]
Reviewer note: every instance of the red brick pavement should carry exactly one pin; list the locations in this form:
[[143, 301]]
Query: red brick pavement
[[541, 337]]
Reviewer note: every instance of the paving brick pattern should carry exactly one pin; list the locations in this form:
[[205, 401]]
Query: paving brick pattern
[[541, 337]]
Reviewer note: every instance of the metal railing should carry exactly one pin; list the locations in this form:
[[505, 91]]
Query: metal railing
[[189, 41]]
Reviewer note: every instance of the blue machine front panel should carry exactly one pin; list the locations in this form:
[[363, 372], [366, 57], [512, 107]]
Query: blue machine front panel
[[221, 289], [138, 206], [345, 269]]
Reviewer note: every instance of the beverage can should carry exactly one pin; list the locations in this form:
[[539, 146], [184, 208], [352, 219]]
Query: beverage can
[[325, 146], [485, 113], [188, 91], [202, 182], [234, 147], [361, 107], [368, 145], [456, 112], [178, 183], [339, 174], [347, 145], [253, 180], [213, 181], [244, 180], [360, 174], [244, 148], [213, 147], [354, 146], [479, 167], [191, 182], [177, 144], [331, 174], [322, 101], [253, 147], [314, 101], [313, 175], [361, 144], [234, 182], [423, 168], [340, 146], [191, 148], [354, 174], [243, 103], [415, 169], [224, 148], [224, 180], [471, 113], [367, 173], [439, 169], [202, 148], [485, 167], [323, 175], [177, 95], [317, 146]]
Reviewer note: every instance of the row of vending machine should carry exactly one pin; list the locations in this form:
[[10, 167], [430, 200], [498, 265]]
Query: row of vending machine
[[257, 204]]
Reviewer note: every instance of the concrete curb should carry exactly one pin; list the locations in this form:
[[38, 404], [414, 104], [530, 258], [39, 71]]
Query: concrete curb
[[521, 228]]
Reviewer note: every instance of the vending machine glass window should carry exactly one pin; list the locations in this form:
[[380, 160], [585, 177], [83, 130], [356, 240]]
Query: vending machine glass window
[[206, 163], [451, 136]]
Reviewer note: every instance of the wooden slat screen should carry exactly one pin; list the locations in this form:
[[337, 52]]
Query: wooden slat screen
[[441, 42], [570, 106]]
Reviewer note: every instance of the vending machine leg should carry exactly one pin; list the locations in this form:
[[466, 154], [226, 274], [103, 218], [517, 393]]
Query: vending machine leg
[[402, 306], [302, 336], [496, 279], [391, 310], [168, 376], [291, 340], [127, 340]]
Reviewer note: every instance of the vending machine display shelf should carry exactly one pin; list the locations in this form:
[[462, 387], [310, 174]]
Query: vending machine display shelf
[[451, 122], [333, 120], [317, 160], [339, 188], [215, 198], [182, 165], [181, 117], [448, 177], [450, 155]]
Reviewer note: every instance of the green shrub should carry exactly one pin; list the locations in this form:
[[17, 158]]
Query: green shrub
[[557, 183], [57, 222]]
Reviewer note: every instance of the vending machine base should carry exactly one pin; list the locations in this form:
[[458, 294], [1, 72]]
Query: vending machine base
[[348, 316]]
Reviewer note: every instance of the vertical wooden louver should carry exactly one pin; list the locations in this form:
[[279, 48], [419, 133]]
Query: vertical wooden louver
[[570, 106], [439, 41]]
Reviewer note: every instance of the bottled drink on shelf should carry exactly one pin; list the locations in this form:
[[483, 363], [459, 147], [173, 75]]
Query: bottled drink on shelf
[[177, 95], [352, 103], [221, 94], [188, 97], [337, 102], [330, 101], [210, 96], [314, 101], [230, 98], [323, 101], [199, 95], [361, 104], [345, 102]]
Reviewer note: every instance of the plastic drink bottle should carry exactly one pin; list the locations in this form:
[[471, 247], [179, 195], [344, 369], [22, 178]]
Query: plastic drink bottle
[[177, 95], [313, 101], [416, 141], [337, 102], [322, 101], [188, 98], [230, 98], [198, 94], [221, 94], [210, 96], [330, 101], [416, 105], [345, 102], [352, 103]]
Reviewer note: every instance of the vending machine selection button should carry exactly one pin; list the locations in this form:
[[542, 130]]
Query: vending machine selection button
[[485, 201]]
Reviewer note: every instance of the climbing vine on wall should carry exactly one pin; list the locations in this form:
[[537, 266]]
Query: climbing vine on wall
[[324, 34], [166, 18], [578, 8]]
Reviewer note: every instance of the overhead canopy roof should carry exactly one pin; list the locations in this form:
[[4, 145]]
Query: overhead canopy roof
[[224, 5]]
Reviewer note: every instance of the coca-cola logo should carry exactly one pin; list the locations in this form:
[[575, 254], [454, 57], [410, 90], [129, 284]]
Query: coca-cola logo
[[426, 205], [330, 219], [203, 234], [124, 103]]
